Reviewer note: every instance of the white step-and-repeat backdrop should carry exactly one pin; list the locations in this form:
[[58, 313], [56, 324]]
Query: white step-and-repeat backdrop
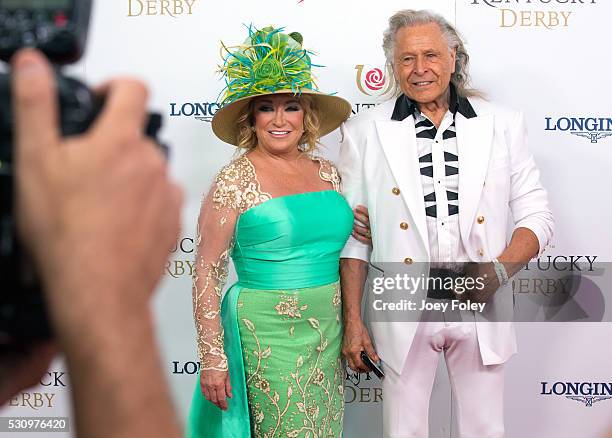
[[548, 58]]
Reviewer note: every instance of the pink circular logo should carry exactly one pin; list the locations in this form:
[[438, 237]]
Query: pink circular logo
[[375, 79]]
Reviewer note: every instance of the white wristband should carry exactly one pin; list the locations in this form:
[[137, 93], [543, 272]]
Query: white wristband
[[500, 270]]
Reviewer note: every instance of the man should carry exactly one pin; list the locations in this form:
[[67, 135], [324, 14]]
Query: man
[[440, 171], [101, 198]]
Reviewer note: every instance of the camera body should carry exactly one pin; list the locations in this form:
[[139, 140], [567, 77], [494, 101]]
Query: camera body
[[59, 29]]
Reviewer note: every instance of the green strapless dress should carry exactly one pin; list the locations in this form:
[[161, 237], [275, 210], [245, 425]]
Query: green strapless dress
[[282, 323]]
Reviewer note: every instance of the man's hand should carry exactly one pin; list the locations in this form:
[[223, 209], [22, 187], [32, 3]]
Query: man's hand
[[361, 226], [103, 198], [355, 340], [481, 273], [215, 386], [523, 247]]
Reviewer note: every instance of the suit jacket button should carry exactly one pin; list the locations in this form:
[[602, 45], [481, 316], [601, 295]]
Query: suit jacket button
[[480, 219], [395, 191], [404, 226], [480, 252], [408, 260]]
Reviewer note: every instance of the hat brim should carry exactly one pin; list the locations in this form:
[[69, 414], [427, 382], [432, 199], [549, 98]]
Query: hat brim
[[333, 109]]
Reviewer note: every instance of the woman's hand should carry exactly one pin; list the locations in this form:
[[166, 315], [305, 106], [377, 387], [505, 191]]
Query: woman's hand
[[216, 387], [361, 226]]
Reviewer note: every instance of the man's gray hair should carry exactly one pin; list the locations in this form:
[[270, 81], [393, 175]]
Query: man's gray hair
[[409, 18]]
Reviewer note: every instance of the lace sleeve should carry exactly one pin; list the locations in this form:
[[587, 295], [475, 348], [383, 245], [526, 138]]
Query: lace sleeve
[[235, 189]]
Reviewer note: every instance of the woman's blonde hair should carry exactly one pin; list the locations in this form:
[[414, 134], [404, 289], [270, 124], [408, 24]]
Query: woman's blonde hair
[[247, 139]]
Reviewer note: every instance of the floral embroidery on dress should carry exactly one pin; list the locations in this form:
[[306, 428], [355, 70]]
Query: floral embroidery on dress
[[337, 300], [289, 307], [299, 413], [328, 172], [210, 340], [235, 190], [237, 187]]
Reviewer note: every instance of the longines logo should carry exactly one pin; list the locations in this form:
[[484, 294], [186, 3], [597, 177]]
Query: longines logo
[[185, 367], [582, 392], [511, 16], [374, 82], [181, 266], [591, 128], [167, 8], [353, 392], [202, 111]]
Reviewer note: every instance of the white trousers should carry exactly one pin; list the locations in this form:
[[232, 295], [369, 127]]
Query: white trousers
[[478, 389]]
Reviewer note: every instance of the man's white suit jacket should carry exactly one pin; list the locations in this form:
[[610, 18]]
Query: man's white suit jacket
[[499, 191]]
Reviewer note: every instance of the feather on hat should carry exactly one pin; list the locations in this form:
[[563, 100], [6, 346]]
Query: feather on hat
[[270, 62]]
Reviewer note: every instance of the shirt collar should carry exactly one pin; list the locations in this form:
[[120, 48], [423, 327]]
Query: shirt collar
[[405, 107]]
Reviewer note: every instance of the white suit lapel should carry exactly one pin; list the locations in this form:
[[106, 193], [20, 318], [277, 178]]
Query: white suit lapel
[[398, 140], [474, 139]]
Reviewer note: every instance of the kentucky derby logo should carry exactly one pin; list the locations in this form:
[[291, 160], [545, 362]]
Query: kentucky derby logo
[[361, 388], [174, 9], [183, 264], [539, 14], [586, 393], [494, 3], [592, 128], [354, 377], [374, 82]]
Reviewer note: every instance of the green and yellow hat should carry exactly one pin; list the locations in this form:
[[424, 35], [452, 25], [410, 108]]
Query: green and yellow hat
[[270, 62]]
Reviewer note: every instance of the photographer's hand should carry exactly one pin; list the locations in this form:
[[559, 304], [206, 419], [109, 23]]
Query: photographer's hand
[[24, 369], [99, 215], [105, 194]]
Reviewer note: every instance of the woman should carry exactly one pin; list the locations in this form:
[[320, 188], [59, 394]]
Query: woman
[[270, 352]]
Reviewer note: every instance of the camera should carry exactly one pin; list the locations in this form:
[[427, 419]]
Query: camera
[[59, 29]]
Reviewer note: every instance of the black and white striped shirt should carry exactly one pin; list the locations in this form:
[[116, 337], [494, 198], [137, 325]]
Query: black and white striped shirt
[[439, 164]]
